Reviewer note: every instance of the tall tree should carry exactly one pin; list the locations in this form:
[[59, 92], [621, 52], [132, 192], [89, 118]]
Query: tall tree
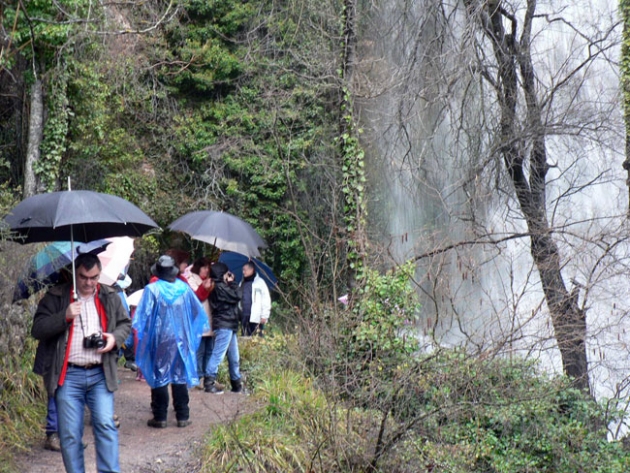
[[497, 129], [525, 159]]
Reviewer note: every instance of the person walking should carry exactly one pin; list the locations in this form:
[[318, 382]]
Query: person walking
[[224, 304], [128, 350], [80, 334], [200, 281], [169, 321], [256, 302]]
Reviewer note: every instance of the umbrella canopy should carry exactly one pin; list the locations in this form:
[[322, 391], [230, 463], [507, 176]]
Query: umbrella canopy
[[221, 229], [235, 262], [45, 267], [134, 298], [76, 215], [115, 258]]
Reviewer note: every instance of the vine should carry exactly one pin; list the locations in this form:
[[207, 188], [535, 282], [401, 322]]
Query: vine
[[353, 187], [352, 155]]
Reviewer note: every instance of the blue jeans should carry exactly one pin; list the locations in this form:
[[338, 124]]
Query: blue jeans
[[203, 355], [81, 387], [51, 416], [225, 341]]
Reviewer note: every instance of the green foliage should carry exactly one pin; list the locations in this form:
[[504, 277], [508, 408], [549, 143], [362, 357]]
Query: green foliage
[[288, 419], [203, 42], [383, 316], [250, 123], [452, 413], [510, 417], [355, 211], [278, 437], [8, 197], [22, 405]]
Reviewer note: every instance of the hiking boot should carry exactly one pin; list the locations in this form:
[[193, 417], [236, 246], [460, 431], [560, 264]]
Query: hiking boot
[[52, 442], [238, 387], [131, 365], [211, 386], [157, 424], [184, 423], [201, 383]]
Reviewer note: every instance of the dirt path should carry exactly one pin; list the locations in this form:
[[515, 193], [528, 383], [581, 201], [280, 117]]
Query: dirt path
[[143, 449]]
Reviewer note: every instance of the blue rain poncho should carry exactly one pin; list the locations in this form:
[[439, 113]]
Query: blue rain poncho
[[169, 321]]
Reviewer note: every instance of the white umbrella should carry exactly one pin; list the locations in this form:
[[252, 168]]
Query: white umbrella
[[134, 298], [115, 258]]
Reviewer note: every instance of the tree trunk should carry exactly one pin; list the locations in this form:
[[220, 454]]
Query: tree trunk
[[35, 135], [513, 56], [351, 153]]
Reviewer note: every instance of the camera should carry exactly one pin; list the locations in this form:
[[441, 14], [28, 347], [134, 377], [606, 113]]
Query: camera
[[94, 341]]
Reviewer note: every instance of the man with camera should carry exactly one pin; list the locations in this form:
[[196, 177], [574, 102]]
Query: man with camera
[[80, 334]]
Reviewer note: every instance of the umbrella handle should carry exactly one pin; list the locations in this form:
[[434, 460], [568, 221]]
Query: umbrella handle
[[74, 276]]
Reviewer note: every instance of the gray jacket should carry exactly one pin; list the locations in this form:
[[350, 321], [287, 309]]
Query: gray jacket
[[52, 331]]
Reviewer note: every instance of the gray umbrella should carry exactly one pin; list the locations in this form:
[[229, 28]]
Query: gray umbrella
[[221, 229]]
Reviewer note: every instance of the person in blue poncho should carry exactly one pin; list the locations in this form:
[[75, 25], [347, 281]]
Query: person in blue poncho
[[169, 321]]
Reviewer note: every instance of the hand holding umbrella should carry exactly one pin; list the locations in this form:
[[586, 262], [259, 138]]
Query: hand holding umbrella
[[86, 215]]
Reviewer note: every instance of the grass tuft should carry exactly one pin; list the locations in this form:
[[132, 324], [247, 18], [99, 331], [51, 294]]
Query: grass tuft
[[22, 407]]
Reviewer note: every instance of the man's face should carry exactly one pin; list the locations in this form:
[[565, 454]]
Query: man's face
[[247, 271], [87, 280]]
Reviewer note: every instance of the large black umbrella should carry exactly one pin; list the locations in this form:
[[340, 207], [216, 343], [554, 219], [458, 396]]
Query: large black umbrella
[[221, 229], [76, 215]]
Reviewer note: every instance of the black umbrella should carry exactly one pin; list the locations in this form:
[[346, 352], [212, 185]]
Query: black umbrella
[[221, 229], [81, 215], [76, 215]]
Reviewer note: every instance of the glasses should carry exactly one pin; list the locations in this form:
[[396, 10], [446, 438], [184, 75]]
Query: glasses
[[83, 277]]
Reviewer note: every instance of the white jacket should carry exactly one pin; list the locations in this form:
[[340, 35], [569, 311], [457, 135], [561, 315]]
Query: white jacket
[[261, 301]]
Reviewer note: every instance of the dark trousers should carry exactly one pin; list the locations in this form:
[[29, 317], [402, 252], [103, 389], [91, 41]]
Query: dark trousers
[[129, 353], [203, 355], [159, 402], [249, 329]]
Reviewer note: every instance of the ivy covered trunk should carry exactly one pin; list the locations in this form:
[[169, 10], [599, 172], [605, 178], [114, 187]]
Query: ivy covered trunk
[[351, 153]]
